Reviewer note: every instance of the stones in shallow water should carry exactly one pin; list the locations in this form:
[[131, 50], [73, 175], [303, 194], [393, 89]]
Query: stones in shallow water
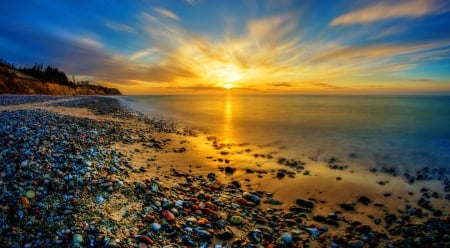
[[304, 203], [348, 206], [364, 200]]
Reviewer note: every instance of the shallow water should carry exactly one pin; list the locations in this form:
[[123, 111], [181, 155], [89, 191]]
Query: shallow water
[[399, 131]]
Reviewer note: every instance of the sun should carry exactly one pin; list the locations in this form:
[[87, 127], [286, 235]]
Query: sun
[[226, 75], [228, 86]]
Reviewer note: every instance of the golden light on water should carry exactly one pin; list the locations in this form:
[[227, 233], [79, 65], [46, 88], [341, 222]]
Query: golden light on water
[[228, 125]]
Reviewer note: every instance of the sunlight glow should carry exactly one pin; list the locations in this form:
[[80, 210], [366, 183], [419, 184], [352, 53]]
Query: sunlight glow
[[228, 86], [226, 73]]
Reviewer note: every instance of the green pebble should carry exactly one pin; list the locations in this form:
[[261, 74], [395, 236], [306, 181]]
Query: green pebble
[[30, 194], [235, 220]]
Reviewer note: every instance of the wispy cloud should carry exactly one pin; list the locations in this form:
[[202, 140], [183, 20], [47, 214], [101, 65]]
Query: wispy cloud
[[193, 2], [389, 10], [143, 53], [357, 54], [328, 86], [282, 84], [167, 13], [120, 27]]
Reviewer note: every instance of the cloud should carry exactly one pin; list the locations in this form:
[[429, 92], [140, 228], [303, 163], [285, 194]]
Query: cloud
[[329, 86], [143, 53], [120, 27], [389, 10], [193, 2], [167, 13], [282, 84], [394, 30], [358, 54]]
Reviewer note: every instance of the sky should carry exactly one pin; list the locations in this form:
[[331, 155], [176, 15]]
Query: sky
[[198, 46]]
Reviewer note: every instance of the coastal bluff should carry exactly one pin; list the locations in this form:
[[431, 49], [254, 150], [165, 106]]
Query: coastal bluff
[[15, 82]]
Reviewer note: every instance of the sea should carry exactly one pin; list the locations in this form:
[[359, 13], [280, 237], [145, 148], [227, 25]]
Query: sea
[[401, 131]]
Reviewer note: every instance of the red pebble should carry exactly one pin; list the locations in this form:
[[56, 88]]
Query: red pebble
[[242, 202], [168, 215], [146, 239], [211, 206], [149, 218], [208, 211]]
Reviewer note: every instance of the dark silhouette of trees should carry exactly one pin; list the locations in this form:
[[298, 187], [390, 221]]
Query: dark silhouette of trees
[[53, 75], [50, 74]]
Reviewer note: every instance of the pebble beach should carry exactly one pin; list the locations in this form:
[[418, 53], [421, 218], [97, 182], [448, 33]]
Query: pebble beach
[[87, 172]]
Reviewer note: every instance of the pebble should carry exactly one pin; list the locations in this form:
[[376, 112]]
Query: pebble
[[70, 173]]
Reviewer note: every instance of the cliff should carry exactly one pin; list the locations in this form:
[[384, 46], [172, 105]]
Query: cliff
[[15, 82]]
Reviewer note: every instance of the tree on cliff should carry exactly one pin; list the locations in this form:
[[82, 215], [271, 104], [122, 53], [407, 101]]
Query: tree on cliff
[[50, 74]]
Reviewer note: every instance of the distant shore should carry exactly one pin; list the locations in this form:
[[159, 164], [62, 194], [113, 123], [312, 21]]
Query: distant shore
[[85, 172]]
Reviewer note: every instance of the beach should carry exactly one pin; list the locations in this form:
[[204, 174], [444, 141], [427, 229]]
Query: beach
[[87, 172]]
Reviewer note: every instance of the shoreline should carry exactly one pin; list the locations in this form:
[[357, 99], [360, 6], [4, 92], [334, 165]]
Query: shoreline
[[215, 193]]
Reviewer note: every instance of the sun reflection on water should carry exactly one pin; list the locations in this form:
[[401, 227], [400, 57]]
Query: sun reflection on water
[[228, 118]]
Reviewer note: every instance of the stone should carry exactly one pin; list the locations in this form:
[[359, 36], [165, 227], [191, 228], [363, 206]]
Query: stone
[[364, 200], [236, 220], [304, 203], [349, 206], [30, 194], [169, 216]]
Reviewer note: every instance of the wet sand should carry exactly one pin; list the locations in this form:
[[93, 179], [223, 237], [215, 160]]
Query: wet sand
[[346, 206]]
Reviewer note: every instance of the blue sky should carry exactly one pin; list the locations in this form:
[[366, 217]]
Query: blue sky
[[152, 46]]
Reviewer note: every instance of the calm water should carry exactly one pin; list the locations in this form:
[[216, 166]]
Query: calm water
[[401, 131]]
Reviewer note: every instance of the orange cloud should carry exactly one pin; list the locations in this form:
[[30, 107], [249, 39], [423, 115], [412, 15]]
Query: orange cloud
[[389, 10]]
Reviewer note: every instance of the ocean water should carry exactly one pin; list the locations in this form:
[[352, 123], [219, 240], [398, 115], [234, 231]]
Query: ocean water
[[372, 131]]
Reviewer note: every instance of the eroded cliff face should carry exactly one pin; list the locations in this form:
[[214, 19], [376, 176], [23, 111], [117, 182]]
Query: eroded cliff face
[[14, 82]]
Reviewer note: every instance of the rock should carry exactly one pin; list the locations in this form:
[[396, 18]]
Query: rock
[[304, 203], [201, 233], [363, 228], [236, 220], [156, 226], [30, 194], [285, 239], [24, 201], [229, 170], [356, 244], [235, 184], [390, 218], [169, 216], [349, 206], [281, 174], [255, 236], [225, 234], [145, 239], [77, 240], [187, 241], [364, 200], [314, 232], [320, 218], [255, 199]]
